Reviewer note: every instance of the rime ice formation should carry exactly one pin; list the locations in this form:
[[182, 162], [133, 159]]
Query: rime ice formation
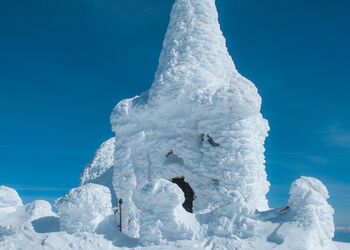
[[9, 198], [38, 209], [168, 221], [188, 162], [101, 163], [15, 218], [100, 169], [201, 119], [84, 208], [310, 217]]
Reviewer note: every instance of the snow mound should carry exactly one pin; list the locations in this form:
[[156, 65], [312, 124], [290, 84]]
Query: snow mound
[[201, 120], [39, 209], [9, 197], [307, 222], [171, 221], [16, 220], [84, 208], [312, 213], [308, 200]]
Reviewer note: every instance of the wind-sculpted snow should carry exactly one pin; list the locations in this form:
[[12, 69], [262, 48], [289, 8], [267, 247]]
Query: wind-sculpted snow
[[169, 221], [18, 217], [187, 161], [9, 197], [201, 119], [100, 169], [310, 216], [84, 208], [102, 162]]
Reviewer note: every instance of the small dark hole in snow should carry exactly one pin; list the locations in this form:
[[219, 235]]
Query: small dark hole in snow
[[188, 191], [216, 182], [212, 142], [169, 153]]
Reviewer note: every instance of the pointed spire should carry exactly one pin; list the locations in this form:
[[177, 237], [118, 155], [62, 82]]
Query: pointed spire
[[194, 51]]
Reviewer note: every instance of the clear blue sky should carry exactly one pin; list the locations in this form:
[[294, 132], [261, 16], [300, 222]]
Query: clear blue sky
[[64, 64]]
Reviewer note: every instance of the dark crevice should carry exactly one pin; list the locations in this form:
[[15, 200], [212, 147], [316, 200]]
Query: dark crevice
[[188, 191], [212, 142]]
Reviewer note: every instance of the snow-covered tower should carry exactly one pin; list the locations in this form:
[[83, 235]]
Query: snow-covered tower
[[199, 127]]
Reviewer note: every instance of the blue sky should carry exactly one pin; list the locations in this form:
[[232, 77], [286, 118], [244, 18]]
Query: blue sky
[[64, 64]]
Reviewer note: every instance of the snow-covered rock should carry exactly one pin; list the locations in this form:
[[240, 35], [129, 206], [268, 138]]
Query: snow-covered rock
[[201, 119], [84, 208], [39, 209], [9, 198], [309, 220], [160, 222]]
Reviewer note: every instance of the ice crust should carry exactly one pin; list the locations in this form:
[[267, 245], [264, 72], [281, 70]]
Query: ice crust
[[100, 164], [167, 221], [9, 197], [84, 208], [200, 122], [100, 169], [197, 94], [310, 218]]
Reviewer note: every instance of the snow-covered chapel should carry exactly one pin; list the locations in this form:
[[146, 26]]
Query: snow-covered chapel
[[186, 168], [188, 156]]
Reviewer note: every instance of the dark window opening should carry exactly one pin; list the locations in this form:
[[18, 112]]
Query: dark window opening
[[188, 191]]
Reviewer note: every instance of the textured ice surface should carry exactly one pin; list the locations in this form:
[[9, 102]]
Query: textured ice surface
[[84, 208], [162, 221], [309, 220], [100, 169], [9, 197], [201, 119], [100, 164], [200, 122]]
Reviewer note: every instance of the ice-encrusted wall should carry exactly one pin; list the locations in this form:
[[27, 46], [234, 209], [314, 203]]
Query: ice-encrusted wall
[[201, 119]]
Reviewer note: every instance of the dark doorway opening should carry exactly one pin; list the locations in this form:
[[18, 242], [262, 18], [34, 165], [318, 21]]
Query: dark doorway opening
[[188, 191]]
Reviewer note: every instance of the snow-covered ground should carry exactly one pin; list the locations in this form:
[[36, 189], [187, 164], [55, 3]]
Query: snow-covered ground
[[187, 161], [36, 226]]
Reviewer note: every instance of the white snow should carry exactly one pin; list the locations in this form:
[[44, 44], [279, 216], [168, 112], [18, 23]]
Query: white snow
[[9, 198], [100, 169], [310, 215], [187, 161], [166, 221], [203, 112], [101, 163], [84, 208]]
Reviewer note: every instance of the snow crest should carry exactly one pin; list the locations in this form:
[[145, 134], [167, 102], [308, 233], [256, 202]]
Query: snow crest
[[100, 169], [101, 163]]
